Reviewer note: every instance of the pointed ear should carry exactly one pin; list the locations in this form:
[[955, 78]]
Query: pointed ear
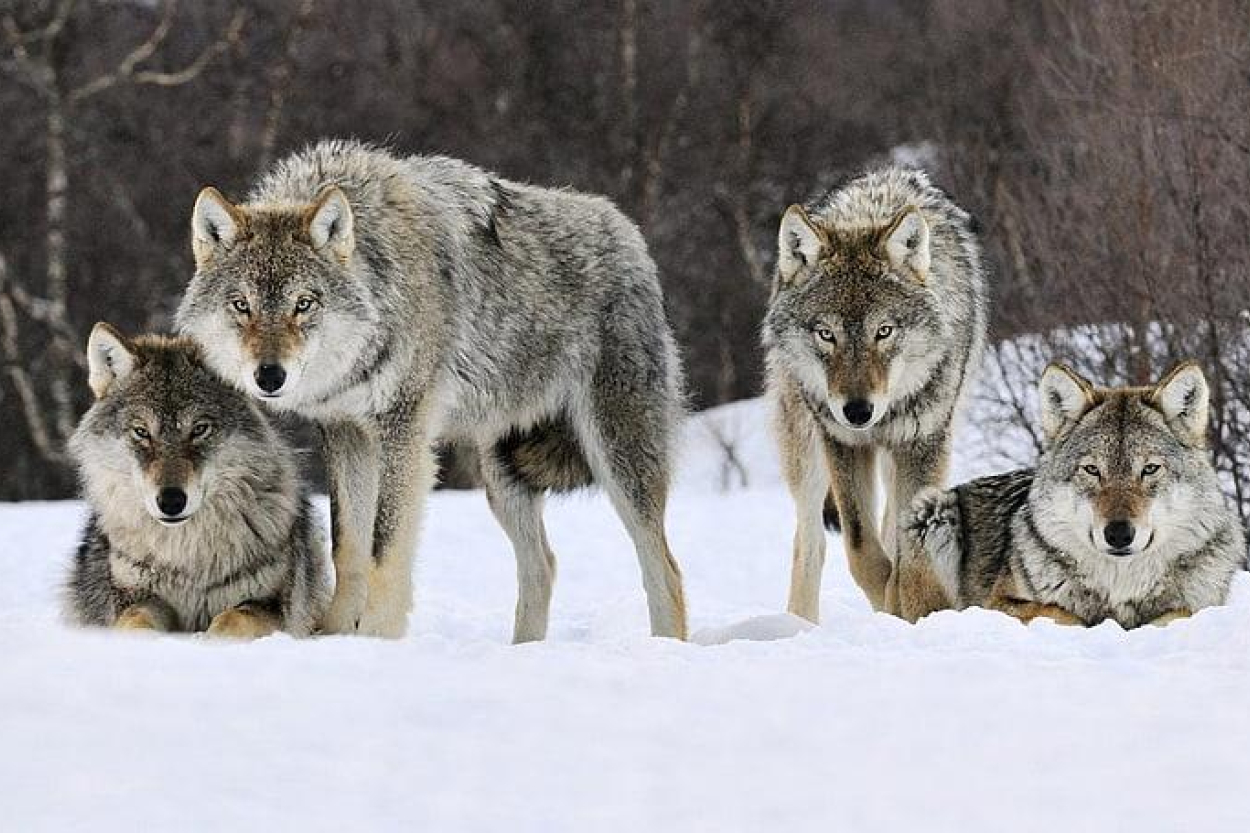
[[1065, 397], [328, 223], [799, 243], [215, 224], [1184, 399], [906, 243], [110, 358]]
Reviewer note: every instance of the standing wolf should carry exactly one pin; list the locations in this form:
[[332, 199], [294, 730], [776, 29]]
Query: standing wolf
[[875, 327], [198, 520], [398, 301], [1122, 519]]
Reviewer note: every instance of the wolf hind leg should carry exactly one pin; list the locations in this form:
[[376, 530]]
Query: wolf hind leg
[[518, 507], [807, 476], [626, 440]]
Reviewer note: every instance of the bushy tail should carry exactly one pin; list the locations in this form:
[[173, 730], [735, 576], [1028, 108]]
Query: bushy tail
[[545, 457]]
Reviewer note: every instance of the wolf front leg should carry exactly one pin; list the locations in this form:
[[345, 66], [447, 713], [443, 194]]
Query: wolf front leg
[[147, 615], [1171, 616], [853, 473], [408, 470], [353, 469], [251, 620], [807, 476], [912, 468]]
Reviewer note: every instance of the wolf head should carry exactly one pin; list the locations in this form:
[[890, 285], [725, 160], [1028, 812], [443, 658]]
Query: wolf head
[[851, 315], [1127, 470], [275, 292], [165, 433]]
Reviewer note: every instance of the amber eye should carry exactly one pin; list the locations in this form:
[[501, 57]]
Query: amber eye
[[1150, 469], [140, 433], [240, 306], [201, 430], [884, 332], [826, 334], [304, 305], [1092, 471]]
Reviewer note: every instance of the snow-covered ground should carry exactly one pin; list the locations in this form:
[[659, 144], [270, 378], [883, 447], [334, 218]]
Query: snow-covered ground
[[966, 721]]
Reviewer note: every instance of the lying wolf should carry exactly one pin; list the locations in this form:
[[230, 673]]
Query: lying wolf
[[400, 301], [1122, 519], [198, 520]]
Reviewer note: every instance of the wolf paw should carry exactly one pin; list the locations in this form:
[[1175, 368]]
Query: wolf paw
[[137, 619], [236, 623]]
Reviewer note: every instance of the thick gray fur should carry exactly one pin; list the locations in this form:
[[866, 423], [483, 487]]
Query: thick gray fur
[[253, 542], [849, 265], [525, 321]]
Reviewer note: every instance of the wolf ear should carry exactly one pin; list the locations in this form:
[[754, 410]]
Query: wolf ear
[[328, 223], [110, 358], [1184, 399], [215, 225], [907, 243], [1065, 397], [799, 243]]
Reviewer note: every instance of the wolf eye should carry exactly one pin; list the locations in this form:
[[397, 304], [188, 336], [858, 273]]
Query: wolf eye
[[304, 304], [1092, 471], [139, 432], [826, 334], [1150, 469], [884, 332], [201, 430], [240, 306]]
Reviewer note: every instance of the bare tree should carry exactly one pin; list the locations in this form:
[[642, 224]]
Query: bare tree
[[35, 58]]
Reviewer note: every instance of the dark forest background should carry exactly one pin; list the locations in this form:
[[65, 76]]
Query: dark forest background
[[1104, 146]]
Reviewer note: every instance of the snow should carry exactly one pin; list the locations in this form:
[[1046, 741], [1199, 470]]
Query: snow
[[967, 721]]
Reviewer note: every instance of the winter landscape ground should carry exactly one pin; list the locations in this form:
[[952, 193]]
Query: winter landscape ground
[[966, 721]]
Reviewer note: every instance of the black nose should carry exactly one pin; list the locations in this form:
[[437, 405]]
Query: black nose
[[1119, 534], [171, 501], [857, 411], [269, 377]]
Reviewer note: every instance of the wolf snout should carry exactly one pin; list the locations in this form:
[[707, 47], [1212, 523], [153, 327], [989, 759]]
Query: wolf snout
[[270, 378], [172, 501], [1119, 536], [858, 412]]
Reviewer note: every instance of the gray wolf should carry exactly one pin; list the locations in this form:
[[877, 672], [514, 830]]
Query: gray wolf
[[875, 327], [198, 519], [1122, 518], [401, 301]]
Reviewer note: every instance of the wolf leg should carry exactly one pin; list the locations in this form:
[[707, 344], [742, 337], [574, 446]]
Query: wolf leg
[[930, 556], [1170, 616], [807, 476], [353, 470], [247, 621], [147, 615], [1026, 610], [408, 471], [910, 469], [853, 473], [626, 439], [519, 510]]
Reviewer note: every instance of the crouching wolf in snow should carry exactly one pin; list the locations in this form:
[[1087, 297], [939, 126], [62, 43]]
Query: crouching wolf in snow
[[876, 324], [1122, 519], [399, 301], [198, 520]]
